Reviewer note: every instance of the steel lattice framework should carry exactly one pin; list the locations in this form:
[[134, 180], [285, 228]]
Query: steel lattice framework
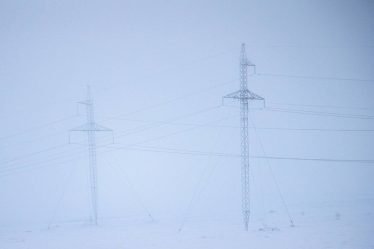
[[244, 96], [91, 128]]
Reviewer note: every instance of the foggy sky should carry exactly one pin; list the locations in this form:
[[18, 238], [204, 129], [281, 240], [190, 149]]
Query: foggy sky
[[137, 55]]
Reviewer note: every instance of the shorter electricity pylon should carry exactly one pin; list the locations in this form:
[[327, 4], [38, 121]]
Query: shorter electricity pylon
[[91, 127], [244, 96]]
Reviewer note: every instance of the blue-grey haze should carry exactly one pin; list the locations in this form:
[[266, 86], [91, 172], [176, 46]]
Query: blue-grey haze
[[157, 64]]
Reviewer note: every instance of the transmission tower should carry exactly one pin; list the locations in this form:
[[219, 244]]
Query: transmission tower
[[244, 96], [91, 127]]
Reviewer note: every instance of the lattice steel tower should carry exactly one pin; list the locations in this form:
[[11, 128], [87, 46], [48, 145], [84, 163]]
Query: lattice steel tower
[[91, 127], [244, 96]]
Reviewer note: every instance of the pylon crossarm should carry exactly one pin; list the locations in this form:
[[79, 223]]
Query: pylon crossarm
[[234, 95], [243, 94], [91, 127]]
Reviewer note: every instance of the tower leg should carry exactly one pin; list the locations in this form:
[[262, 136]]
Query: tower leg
[[245, 162]]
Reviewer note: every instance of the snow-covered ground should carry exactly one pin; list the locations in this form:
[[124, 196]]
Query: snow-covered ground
[[338, 226]]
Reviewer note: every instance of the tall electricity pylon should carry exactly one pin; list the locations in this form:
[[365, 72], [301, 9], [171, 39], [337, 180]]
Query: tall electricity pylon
[[91, 128], [244, 96]]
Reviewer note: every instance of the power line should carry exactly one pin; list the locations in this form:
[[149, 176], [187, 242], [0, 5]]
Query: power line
[[332, 160], [315, 77], [39, 127], [62, 196], [180, 97], [191, 63], [15, 164], [228, 155], [144, 128], [130, 186], [53, 158], [38, 166], [168, 135], [38, 138], [34, 153], [291, 220], [188, 152], [314, 129], [316, 113], [236, 127], [178, 152], [164, 150], [144, 141], [170, 151], [323, 106], [13, 160], [199, 188]]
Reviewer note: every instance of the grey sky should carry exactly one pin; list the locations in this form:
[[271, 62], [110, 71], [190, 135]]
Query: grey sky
[[136, 54]]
